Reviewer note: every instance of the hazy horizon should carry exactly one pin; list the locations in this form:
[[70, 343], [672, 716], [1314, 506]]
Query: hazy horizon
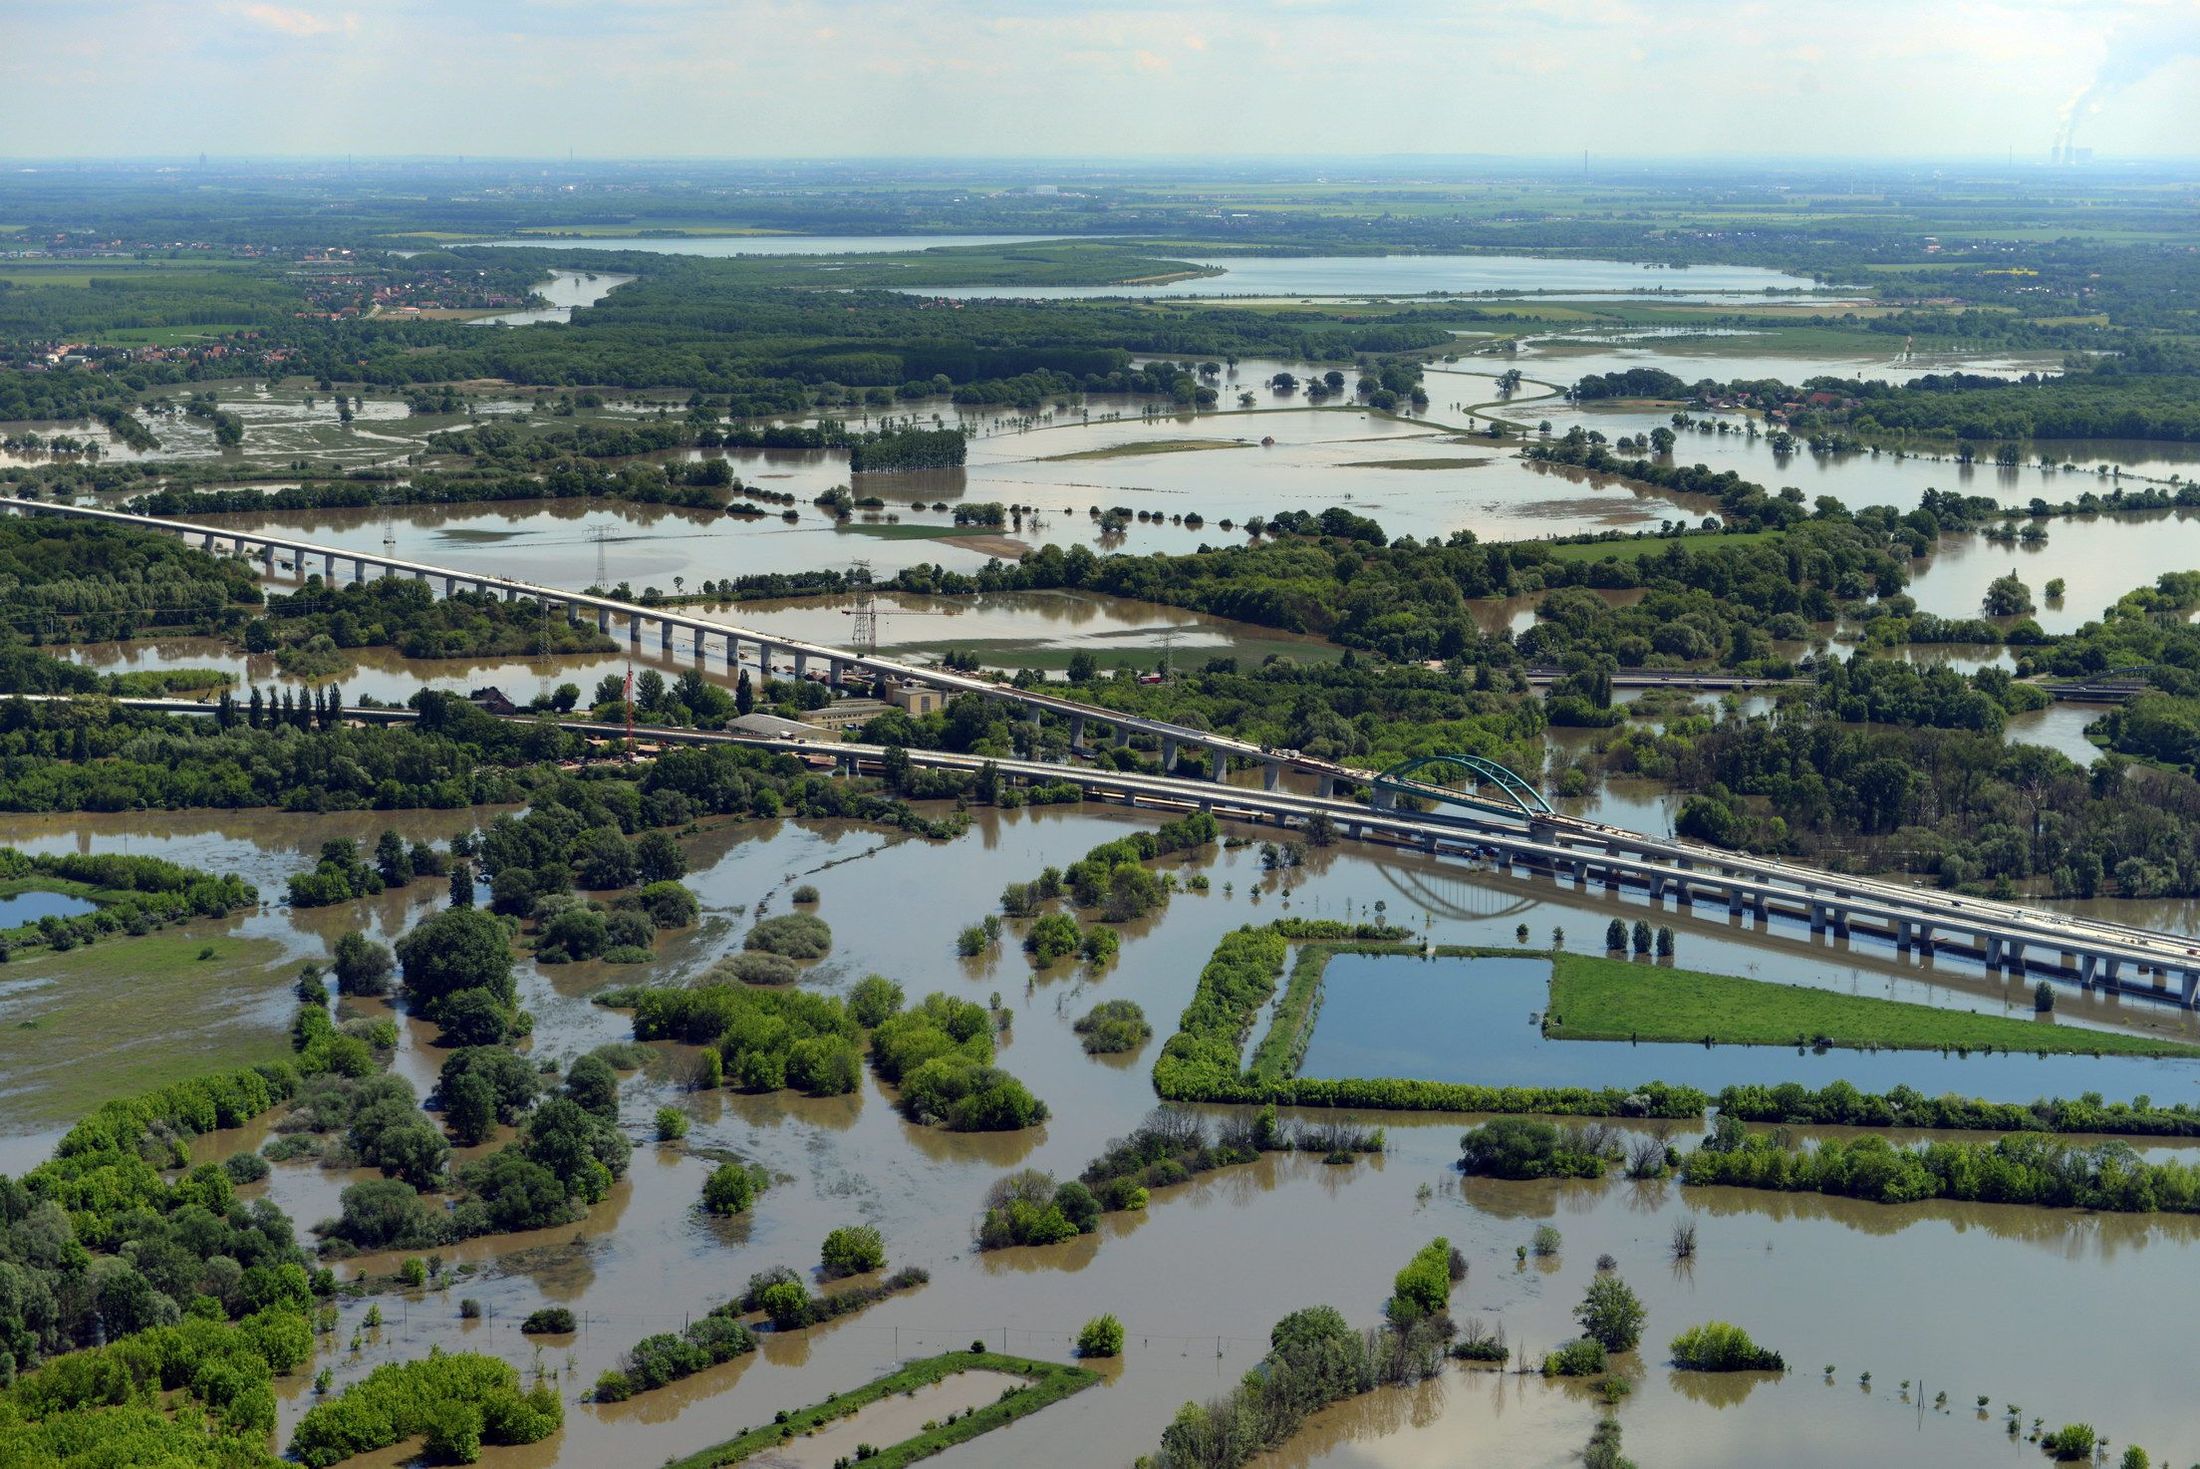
[[720, 80]]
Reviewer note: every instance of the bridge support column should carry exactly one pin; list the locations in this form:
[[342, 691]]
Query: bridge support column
[[1076, 731], [1992, 944], [1817, 916], [1122, 735], [1222, 764], [1840, 923], [664, 635], [1168, 754], [328, 567], [2192, 989], [801, 666], [1270, 772], [1733, 902], [1325, 786], [206, 542], [1611, 876], [763, 665], [421, 577], [358, 572], [2012, 955], [267, 560], [836, 673], [1352, 831]]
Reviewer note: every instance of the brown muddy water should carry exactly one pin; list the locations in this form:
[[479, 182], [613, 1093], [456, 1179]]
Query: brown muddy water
[[1951, 1297]]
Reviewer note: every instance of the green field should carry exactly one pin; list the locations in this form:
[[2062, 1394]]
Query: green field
[[126, 1015], [1641, 546], [1600, 999]]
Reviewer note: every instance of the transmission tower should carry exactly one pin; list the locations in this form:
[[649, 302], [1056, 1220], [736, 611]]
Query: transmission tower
[[866, 611], [600, 534]]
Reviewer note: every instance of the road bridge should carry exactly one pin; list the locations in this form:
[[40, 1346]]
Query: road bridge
[[772, 653], [1570, 852]]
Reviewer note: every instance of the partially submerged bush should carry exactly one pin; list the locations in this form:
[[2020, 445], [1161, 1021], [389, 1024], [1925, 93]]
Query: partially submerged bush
[[1102, 1336], [754, 968], [791, 935], [1720, 1346], [1113, 1026]]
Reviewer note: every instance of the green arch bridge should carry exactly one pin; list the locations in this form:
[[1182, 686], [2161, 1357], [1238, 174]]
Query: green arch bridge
[[1516, 796]]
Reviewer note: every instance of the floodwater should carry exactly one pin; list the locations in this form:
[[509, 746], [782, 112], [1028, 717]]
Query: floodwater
[[1475, 1020], [1910, 1292], [17, 909], [890, 1420], [564, 290], [1248, 275], [1950, 1297], [717, 247], [1424, 275], [1726, 355]]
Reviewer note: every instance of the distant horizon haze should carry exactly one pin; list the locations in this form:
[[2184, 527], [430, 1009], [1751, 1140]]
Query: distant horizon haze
[[1125, 79]]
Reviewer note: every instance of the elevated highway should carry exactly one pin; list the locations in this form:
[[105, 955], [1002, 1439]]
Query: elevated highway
[[1572, 853]]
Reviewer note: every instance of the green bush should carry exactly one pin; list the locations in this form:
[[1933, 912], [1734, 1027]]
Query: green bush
[[732, 1187], [852, 1249], [1582, 1358], [1051, 937], [874, 998], [1423, 1288], [754, 968], [457, 1400], [791, 936], [1114, 1026], [1719, 1346], [1102, 1336], [672, 1124], [1611, 1314], [549, 1321], [1522, 1148], [1028, 1208], [2071, 1442], [757, 1034]]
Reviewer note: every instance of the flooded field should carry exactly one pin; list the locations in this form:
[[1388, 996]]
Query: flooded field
[[1897, 1291], [1927, 1299], [1475, 1020]]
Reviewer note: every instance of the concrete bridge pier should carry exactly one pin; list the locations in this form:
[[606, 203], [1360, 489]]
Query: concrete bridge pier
[[1122, 735], [664, 635], [1270, 772], [1222, 763], [836, 673], [2094, 970], [2191, 979], [206, 542], [801, 666], [1325, 785], [328, 567], [1076, 730], [1352, 831], [1168, 754], [267, 559]]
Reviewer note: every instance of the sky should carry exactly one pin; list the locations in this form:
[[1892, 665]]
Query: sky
[[1097, 78]]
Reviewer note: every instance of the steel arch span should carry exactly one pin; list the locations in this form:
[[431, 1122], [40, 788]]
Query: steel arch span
[[1399, 780]]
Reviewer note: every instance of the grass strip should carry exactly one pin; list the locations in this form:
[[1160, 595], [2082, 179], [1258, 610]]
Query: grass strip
[[1050, 1383], [1599, 999]]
